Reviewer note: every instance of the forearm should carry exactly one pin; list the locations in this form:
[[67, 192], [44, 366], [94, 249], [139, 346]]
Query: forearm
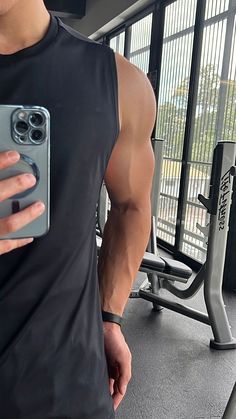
[[125, 239]]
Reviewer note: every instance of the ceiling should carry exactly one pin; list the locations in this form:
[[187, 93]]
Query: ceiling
[[67, 8]]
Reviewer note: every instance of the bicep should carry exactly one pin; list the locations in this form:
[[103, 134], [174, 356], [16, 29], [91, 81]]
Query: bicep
[[129, 173]]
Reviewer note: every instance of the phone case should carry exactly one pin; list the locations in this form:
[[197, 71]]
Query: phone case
[[26, 129]]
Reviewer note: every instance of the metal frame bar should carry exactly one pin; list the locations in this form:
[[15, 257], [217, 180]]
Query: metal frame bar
[[178, 308], [192, 102], [139, 51], [156, 47], [158, 145], [193, 235], [174, 198], [128, 34], [195, 246], [217, 242], [230, 411]]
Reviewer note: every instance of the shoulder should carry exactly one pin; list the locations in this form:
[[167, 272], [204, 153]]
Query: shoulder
[[73, 33], [98, 54], [80, 39], [137, 103]]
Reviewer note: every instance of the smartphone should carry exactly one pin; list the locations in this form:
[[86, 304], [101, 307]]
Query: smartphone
[[26, 129]]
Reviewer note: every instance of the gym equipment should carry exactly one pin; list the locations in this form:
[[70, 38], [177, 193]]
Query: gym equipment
[[230, 411], [229, 282], [163, 272]]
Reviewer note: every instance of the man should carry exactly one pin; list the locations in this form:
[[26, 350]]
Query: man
[[57, 359]]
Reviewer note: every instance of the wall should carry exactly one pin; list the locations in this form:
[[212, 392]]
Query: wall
[[104, 15]]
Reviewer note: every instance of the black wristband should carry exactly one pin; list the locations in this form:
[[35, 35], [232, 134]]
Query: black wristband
[[111, 317]]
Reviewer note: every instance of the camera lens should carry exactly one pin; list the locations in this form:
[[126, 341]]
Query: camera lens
[[21, 127], [36, 119], [36, 136], [23, 139]]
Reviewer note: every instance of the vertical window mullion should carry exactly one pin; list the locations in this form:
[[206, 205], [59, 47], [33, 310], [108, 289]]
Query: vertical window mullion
[[225, 70], [190, 119]]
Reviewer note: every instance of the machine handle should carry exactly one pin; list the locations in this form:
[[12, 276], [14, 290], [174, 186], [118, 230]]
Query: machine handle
[[206, 202]]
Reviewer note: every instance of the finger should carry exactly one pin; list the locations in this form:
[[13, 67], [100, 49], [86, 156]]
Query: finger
[[125, 375], [9, 245], [111, 385], [16, 184], [113, 371], [8, 158], [117, 396], [17, 221]]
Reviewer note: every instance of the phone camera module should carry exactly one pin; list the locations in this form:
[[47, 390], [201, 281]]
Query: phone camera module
[[36, 119], [37, 136], [21, 127]]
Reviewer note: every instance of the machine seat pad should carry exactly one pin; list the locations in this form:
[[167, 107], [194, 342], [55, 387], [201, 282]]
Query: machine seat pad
[[176, 268], [151, 261]]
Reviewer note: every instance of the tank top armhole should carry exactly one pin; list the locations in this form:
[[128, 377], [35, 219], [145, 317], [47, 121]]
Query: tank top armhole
[[115, 90]]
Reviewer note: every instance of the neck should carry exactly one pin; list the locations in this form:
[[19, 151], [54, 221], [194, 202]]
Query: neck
[[23, 25]]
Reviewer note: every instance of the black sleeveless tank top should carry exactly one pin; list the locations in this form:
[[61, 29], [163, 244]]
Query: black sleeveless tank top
[[52, 358]]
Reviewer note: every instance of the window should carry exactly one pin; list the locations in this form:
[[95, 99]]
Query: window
[[136, 41], [172, 106], [140, 43], [214, 117], [117, 43], [214, 114]]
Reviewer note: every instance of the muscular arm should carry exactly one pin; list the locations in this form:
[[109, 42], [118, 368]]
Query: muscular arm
[[128, 180]]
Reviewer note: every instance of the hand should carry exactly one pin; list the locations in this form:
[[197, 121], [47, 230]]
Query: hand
[[10, 187], [118, 360]]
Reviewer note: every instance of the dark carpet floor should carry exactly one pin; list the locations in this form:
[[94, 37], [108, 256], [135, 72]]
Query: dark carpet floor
[[175, 375]]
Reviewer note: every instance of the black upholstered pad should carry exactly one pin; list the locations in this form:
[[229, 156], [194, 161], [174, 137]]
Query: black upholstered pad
[[176, 268], [153, 262], [168, 266]]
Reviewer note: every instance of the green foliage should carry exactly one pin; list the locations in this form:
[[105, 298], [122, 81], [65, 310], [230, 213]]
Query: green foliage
[[172, 116]]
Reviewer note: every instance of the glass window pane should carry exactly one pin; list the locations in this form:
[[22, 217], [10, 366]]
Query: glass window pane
[[172, 107], [141, 60], [205, 136], [141, 33], [140, 43], [118, 43], [229, 122], [179, 15], [215, 7]]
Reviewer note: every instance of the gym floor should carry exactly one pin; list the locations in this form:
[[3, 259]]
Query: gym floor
[[175, 373]]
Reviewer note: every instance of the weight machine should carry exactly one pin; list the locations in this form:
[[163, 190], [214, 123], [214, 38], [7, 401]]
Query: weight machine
[[162, 273]]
